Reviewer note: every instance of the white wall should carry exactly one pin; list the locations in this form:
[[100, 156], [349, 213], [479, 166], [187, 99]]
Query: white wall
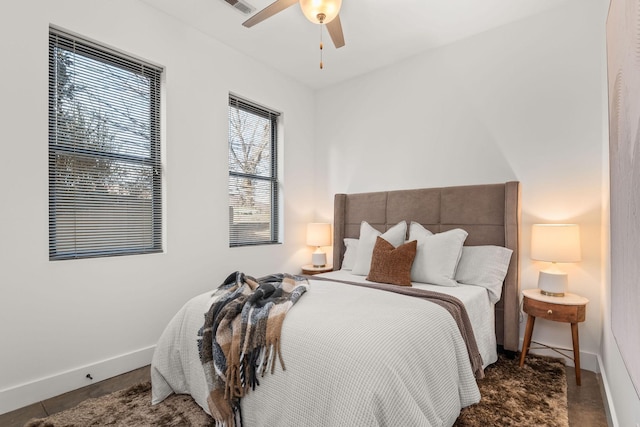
[[622, 397], [521, 102], [621, 394], [61, 320]]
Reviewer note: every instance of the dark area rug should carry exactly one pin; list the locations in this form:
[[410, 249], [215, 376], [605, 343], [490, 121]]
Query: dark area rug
[[535, 395]]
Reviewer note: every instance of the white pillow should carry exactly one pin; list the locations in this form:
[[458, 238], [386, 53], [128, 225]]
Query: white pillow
[[484, 266], [349, 257], [395, 235], [437, 256]]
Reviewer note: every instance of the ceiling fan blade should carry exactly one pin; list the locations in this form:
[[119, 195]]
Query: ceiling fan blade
[[269, 11], [335, 31]]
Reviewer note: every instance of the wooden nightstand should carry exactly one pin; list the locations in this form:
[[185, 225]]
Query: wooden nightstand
[[310, 270], [570, 308]]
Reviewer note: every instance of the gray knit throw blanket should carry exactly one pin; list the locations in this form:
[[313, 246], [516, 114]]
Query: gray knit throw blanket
[[240, 338]]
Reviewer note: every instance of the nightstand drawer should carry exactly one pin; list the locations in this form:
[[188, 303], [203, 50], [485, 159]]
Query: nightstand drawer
[[556, 312]]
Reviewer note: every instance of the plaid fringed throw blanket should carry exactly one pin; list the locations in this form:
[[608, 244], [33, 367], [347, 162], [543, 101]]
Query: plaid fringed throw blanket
[[241, 337]]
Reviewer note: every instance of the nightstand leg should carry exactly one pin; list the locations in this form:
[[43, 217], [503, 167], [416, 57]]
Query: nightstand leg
[[576, 350], [531, 320]]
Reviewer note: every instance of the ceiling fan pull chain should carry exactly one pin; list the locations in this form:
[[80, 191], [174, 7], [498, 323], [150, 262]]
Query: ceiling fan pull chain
[[321, 45]]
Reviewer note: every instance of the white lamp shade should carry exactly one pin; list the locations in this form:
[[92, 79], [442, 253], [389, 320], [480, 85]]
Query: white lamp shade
[[555, 242], [318, 234], [312, 8]]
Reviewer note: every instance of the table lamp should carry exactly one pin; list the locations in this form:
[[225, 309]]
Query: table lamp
[[554, 243], [318, 234]]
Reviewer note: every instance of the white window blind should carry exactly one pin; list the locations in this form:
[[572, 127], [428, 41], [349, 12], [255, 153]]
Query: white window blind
[[253, 182], [104, 152]]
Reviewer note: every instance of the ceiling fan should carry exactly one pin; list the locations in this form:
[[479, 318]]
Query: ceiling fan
[[317, 11]]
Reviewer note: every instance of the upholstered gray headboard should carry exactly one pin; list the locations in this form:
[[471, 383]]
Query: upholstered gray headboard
[[489, 213]]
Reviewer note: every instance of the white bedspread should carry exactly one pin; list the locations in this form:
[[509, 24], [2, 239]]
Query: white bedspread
[[475, 299], [354, 357]]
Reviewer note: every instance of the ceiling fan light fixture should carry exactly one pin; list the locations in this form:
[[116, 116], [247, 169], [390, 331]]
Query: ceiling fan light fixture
[[320, 11]]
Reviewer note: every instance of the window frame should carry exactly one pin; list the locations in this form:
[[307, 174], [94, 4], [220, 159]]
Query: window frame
[[272, 179], [101, 243]]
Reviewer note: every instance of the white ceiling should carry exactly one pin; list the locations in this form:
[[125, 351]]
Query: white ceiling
[[377, 32]]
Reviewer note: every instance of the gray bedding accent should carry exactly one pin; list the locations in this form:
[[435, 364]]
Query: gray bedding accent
[[490, 213]]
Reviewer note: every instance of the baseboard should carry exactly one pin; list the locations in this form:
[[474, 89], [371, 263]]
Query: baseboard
[[44, 388], [588, 361], [610, 409]]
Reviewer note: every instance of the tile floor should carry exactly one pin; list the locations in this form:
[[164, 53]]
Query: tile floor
[[586, 408], [585, 402]]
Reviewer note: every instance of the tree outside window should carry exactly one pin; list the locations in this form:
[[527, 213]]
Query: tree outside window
[[253, 185], [104, 152]]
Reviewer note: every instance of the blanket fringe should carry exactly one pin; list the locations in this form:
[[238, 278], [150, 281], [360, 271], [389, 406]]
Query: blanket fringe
[[278, 351], [234, 420]]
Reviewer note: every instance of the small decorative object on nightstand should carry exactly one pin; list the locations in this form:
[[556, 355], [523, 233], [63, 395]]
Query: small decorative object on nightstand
[[311, 269], [570, 308]]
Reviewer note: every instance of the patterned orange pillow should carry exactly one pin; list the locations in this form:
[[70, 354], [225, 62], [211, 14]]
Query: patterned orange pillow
[[390, 264]]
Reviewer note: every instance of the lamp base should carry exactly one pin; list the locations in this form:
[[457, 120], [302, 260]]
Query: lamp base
[[552, 294], [318, 259], [552, 283]]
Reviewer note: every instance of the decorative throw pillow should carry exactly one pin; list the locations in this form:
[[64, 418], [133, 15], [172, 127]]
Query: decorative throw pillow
[[349, 257], [390, 264], [395, 235], [484, 266], [437, 256]]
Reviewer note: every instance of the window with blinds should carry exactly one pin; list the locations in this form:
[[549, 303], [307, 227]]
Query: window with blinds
[[104, 151], [253, 182]]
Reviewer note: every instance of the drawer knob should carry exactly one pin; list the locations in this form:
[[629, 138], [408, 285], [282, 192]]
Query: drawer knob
[[549, 312]]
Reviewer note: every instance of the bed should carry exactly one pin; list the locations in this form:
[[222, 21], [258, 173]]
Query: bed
[[357, 356]]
